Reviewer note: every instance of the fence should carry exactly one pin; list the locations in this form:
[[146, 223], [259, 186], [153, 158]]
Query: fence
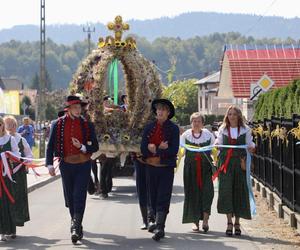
[[277, 158]]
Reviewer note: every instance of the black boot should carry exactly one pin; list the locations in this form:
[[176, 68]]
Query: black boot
[[144, 211], [151, 221], [76, 228], [160, 226]]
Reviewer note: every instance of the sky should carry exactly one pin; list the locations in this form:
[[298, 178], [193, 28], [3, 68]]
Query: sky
[[19, 12]]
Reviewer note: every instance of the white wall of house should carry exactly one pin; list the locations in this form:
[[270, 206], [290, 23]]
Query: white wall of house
[[225, 88]]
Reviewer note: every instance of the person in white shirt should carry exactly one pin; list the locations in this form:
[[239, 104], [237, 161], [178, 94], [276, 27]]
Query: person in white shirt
[[20, 177], [233, 199], [198, 185], [7, 202]]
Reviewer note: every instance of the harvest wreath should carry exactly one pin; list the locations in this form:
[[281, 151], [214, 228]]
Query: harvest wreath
[[142, 82]]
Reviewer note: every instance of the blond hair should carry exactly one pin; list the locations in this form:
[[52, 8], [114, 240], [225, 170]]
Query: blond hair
[[10, 122], [226, 122], [2, 128], [197, 115]]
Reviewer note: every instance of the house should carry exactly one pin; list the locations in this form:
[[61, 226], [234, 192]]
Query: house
[[13, 92], [207, 91], [243, 65], [11, 83]]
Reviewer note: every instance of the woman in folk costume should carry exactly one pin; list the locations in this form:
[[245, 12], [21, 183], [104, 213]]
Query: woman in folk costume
[[7, 202], [198, 185], [20, 177], [233, 199]]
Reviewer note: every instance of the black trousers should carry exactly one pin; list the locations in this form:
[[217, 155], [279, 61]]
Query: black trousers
[[106, 175], [159, 188], [141, 183], [95, 171], [75, 178]]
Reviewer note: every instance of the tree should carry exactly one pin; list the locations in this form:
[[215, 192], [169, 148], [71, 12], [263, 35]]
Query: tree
[[50, 112], [29, 109], [183, 95], [35, 84]]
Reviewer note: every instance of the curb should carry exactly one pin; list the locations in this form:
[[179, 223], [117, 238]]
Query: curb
[[43, 183]]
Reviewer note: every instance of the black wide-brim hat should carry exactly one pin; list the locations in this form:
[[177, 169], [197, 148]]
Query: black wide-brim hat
[[164, 102], [73, 99]]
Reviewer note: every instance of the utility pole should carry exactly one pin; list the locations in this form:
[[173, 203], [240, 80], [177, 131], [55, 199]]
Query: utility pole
[[41, 92], [89, 31], [42, 85]]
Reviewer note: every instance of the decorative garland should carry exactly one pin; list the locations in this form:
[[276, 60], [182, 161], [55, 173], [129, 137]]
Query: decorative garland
[[142, 83]]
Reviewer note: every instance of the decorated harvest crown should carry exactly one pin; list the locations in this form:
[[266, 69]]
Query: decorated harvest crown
[[118, 27]]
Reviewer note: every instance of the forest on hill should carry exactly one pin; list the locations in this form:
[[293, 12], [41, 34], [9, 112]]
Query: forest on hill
[[175, 58]]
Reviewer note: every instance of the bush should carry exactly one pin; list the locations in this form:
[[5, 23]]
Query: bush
[[281, 102]]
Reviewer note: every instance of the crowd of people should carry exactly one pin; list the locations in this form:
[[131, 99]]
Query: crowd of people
[[72, 140], [14, 210], [155, 170]]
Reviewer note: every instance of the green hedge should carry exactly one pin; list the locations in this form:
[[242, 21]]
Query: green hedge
[[281, 102]]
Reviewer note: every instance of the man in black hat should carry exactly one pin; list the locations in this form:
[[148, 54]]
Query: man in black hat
[[159, 147], [73, 140]]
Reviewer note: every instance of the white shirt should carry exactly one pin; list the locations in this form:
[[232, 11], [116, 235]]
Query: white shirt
[[14, 146], [205, 136], [234, 135], [27, 150]]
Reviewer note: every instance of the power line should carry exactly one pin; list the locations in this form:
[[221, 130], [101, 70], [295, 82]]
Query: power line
[[260, 18], [175, 75]]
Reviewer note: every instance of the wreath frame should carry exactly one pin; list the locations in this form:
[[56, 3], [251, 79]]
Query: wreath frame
[[142, 82]]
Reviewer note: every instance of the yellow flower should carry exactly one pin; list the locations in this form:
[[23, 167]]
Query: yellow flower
[[126, 137], [106, 137]]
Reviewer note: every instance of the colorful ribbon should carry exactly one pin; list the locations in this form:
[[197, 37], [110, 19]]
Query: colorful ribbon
[[248, 166], [5, 170], [199, 170], [3, 185]]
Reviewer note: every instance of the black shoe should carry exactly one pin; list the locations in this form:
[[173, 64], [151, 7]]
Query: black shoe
[[159, 232], [103, 196], [151, 227], [76, 228], [229, 229], [237, 229], [80, 236], [205, 228]]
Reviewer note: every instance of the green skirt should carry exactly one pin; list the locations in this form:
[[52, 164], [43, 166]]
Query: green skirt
[[196, 200], [7, 210], [233, 191], [21, 197]]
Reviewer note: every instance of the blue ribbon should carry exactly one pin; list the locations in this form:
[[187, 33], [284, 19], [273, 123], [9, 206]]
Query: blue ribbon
[[248, 167]]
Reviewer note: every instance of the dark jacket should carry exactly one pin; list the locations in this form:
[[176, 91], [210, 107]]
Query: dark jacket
[[52, 149], [171, 134]]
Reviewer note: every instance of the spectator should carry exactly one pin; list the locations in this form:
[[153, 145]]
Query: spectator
[[124, 103], [27, 131]]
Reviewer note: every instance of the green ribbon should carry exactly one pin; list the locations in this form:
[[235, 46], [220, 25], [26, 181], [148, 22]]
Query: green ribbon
[[110, 75], [116, 83], [113, 85]]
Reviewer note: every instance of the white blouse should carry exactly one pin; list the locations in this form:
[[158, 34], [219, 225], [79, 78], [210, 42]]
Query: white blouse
[[234, 135], [205, 136], [14, 146], [27, 150]]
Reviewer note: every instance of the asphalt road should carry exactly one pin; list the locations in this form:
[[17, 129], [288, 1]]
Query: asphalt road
[[114, 223]]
